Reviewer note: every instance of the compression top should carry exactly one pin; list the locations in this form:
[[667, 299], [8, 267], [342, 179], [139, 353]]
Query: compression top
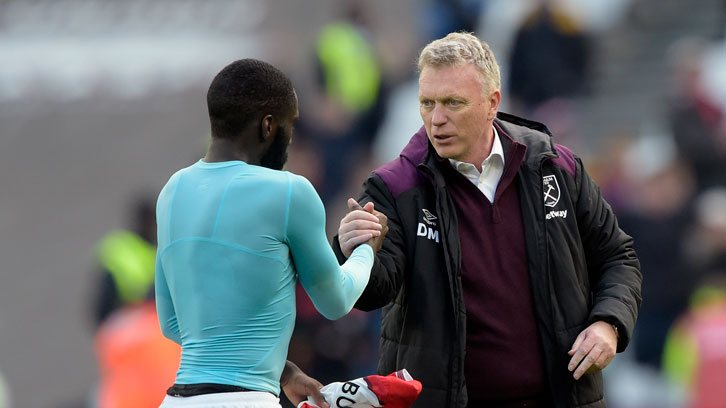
[[233, 240]]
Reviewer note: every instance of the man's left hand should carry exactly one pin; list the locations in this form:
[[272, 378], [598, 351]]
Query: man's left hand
[[593, 350], [298, 386]]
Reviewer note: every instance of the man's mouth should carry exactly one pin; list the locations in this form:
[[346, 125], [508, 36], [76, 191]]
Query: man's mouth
[[442, 138]]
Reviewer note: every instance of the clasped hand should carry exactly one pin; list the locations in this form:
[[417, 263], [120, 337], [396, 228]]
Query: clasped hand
[[362, 225]]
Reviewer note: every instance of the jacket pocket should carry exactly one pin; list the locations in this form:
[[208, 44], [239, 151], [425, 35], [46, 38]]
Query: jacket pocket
[[588, 390]]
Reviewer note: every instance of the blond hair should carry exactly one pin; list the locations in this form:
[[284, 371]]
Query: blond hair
[[462, 48]]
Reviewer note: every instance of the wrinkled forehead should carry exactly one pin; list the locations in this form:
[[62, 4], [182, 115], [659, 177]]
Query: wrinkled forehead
[[448, 80]]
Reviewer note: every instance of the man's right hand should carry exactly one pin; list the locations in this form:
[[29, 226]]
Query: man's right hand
[[361, 225]]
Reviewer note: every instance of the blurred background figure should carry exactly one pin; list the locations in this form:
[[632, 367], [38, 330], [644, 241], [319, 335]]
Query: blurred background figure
[[345, 112], [659, 190], [126, 260], [136, 363], [549, 60], [441, 17], [706, 249], [695, 358], [695, 117]]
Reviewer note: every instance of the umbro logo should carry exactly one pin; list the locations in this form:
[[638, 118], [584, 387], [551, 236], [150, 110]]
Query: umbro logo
[[424, 228], [428, 217]]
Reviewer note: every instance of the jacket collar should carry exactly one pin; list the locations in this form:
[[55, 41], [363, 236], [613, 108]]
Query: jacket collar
[[536, 136]]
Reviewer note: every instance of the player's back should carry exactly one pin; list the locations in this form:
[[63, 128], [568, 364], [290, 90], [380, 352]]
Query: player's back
[[223, 256]]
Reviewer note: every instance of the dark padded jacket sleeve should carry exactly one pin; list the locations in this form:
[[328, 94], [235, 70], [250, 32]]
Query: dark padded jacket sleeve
[[613, 266]]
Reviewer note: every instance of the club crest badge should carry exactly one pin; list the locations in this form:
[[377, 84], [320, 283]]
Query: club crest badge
[[551, 191]]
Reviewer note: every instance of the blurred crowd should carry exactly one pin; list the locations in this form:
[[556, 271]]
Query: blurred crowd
[[665, 177], [666, 180]]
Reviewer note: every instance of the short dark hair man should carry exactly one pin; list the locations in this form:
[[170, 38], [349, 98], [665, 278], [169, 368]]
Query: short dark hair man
[[505, 280], [235, 234]]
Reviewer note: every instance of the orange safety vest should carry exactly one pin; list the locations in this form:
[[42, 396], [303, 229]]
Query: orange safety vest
[[136, 362]]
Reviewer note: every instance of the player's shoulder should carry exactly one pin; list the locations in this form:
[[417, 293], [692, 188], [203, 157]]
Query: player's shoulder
[[300, 184], [245, 173], [173, 181], [184, 171], [289, 188], [274, 179]]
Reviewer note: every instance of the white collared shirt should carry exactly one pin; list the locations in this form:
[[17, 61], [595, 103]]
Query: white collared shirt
[[491, 169]]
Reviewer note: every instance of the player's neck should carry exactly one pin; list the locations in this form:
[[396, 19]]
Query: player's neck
[[221, 150]]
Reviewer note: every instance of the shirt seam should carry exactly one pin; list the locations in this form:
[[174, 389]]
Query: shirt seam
[[287, 205], [224, 243], [219, 207], [171, 208]]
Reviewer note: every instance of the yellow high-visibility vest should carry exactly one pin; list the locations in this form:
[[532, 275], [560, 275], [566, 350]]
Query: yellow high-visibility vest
[[131, 261], [351, 71]]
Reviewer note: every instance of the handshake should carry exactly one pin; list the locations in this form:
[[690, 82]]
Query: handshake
[[362, 224]]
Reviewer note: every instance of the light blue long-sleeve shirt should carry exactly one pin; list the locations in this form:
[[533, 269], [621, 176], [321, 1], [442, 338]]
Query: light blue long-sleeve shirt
[[233, 239]]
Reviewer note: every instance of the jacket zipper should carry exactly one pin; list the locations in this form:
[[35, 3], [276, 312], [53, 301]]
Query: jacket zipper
[[545, 268], [452, 393]]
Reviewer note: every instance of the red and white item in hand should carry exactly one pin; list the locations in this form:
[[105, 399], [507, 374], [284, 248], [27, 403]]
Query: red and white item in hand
[[396, 390]]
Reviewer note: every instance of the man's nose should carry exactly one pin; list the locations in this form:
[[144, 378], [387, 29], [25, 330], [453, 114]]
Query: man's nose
[[438, 116]]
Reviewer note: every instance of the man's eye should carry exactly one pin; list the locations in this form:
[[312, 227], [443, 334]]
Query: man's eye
[[454, 102], [426, 103]]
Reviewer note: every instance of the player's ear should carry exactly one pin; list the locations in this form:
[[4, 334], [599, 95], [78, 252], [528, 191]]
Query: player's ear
[[266, 125]]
